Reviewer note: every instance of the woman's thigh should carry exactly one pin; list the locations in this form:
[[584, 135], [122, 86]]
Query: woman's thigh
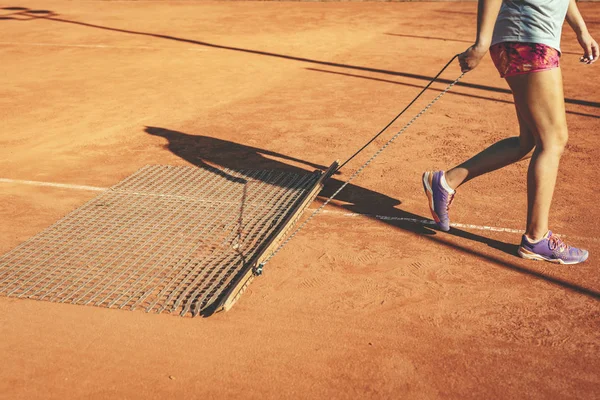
[[540, 104]]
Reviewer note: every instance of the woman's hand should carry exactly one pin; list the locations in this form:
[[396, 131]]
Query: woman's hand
[[591, 52], [471, 57]]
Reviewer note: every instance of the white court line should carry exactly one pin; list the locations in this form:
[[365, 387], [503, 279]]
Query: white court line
[[340, 213], [93, 188], [99, 46], [58, 185], [424, 221], [452, 224], [333, 212]]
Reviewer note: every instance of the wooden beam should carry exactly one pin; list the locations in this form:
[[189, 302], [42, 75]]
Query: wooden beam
[[239, 287]]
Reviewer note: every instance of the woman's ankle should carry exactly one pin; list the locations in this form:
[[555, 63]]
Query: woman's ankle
[[454, 178], [535, 236]]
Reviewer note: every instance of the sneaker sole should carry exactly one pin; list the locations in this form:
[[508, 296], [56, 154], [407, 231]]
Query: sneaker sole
[[429, 193], [529, 255]]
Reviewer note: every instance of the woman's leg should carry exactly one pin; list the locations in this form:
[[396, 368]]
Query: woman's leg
[[540, 100], [439, 186], [498, 155]]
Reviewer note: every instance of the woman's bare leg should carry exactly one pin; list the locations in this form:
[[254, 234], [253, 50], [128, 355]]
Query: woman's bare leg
[[540, 100], [498, 155]]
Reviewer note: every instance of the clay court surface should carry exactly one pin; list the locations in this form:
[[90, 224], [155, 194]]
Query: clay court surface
[[357, 306]]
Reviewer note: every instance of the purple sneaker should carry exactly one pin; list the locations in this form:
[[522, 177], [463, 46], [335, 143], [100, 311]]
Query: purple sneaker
[[551, 248], [439, 198]]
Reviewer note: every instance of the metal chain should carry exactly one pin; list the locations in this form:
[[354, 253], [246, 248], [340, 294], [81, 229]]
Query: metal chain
[[258, 269]]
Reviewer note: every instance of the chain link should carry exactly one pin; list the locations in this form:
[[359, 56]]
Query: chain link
[[258, 269]]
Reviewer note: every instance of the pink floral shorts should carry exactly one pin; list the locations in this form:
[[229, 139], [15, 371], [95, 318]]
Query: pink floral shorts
[[512, 58]]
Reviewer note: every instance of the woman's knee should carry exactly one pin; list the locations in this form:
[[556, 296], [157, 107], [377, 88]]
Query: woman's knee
[[554, 139]]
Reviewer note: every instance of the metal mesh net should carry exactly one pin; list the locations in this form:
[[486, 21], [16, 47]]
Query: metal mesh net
[[166, 239]]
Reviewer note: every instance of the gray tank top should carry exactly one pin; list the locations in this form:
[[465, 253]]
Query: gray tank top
[[531, 21]]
